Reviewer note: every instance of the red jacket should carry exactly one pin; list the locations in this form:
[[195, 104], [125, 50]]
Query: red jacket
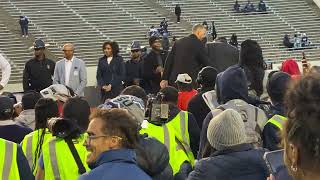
[[184, 98]]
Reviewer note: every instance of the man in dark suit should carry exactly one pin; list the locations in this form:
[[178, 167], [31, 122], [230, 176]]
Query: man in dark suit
[[222, 55], [188, 55]]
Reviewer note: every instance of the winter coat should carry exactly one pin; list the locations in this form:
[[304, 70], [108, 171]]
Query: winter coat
[[241, 162], [153, 158], [116, 164]]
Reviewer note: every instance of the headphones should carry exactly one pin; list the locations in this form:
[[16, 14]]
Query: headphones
[[207, 70]]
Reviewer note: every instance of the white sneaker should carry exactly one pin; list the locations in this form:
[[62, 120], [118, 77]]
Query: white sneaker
[[27, 36], [23, 36]]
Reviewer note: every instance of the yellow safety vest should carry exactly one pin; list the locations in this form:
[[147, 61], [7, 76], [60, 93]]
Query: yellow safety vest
[[278, 121], [165, 134], [58, 160], [29, 146], [180, 124], [8, 160]]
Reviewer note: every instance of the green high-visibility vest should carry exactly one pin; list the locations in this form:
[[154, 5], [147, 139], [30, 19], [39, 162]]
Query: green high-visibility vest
[[278, 121], [8, 160], [166, 135], [29, 146], [180, 124], [58, 160]]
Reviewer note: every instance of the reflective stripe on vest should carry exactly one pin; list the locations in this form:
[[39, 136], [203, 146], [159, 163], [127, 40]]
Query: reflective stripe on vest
[[53, 159], [58, 159], [183, 130], [29, 154], [8, 160], [166, 136], [278, 121]]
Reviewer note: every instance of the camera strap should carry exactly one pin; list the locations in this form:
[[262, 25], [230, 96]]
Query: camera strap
[[81, 168]]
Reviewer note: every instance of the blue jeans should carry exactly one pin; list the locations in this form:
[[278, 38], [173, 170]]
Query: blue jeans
[[24, 30]]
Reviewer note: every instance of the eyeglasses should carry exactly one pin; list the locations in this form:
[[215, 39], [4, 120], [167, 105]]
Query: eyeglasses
[[134, 51], [91, 137]]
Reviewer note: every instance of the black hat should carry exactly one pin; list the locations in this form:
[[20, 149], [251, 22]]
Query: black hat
[[135, 45], [277, 85], [6, 105], [38, 44], [207, 76], [30, 99], [153, 39]]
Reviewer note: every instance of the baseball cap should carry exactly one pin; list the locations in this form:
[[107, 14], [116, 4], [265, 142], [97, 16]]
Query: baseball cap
[[135, 45], [38, 44], [134, 105], [6, 105], [184, 78], [56, 92]]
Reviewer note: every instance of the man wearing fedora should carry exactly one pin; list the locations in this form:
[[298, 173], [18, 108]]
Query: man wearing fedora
[[134, 66], [38, 71]]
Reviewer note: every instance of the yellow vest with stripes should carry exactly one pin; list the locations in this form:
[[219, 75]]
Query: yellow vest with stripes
[[180, 124], [8, 160], [58, 160], [278, 121], [29, 146], [165, 134]]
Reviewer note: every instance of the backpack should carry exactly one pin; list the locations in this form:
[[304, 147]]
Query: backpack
[[253, 118]]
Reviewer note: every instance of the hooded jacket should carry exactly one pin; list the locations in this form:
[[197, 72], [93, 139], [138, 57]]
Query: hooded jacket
[[153, 158], [232, 92]]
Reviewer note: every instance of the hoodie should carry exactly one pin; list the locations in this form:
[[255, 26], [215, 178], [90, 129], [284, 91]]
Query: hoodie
[[291, 67]]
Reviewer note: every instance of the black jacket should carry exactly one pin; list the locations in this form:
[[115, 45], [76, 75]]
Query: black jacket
[[241, 162], [113, 73], [133, 71], [188, 55], [151, 79], [222, 55], [198, 107], [37, 74], [153, 158]]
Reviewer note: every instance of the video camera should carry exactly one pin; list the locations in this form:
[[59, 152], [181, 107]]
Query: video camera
[[64, 128], [157, 111]]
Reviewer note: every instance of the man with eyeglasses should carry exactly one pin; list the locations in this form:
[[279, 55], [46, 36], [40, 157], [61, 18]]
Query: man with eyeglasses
[[112, 138], [71, 71], [38, 71], [134, 66]]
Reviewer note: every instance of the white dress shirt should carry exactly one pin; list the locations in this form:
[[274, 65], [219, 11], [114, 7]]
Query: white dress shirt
[[109, 59], [5, 69], [68, 65]]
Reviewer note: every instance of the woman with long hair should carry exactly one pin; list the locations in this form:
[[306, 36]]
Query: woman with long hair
[[45, 109]]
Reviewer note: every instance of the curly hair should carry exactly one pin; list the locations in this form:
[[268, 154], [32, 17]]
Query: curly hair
[[118, 122], [114, 46], [302, 129], [251, 59]]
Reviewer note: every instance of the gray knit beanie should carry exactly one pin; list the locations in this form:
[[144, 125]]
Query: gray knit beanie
[[226, 130]]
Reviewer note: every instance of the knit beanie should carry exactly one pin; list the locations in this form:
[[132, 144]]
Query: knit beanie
[[226, 130]]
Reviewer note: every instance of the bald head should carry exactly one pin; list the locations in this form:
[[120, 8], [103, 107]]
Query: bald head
[[199, 30], [68, 49]]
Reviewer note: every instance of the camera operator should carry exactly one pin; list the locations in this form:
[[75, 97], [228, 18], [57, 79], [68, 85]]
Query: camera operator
[[59, 160]]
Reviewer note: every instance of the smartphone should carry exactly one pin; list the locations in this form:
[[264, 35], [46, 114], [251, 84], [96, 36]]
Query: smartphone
[[274, 161]]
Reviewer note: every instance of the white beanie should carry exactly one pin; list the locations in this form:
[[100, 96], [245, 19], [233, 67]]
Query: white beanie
[[226, 130]]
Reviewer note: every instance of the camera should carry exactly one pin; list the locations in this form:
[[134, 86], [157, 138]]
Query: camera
[[63, 128], [157, 112]]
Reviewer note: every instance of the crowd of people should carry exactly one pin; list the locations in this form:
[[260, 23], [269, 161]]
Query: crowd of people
[[249, 7], [195, 112], [299, 40]]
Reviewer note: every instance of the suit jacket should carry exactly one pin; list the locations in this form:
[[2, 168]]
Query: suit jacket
[[222, 55], [188, 55], [78, 75]]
